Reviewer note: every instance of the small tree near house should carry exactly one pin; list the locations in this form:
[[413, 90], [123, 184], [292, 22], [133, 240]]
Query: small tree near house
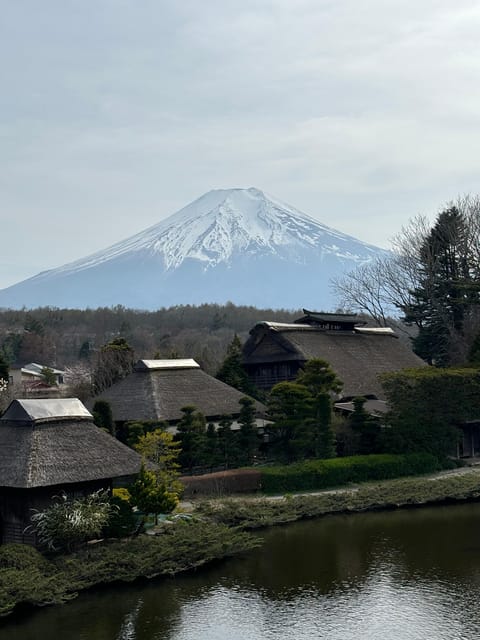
[[157, 489]]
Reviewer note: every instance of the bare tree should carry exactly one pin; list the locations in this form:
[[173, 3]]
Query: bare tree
[[432, 276]]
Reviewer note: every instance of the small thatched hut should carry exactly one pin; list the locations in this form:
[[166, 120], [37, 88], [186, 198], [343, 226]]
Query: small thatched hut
[[276, 351], [157, 390], [48, 447]]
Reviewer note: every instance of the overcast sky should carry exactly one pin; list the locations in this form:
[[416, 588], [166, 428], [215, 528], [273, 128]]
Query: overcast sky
[[117, 113]]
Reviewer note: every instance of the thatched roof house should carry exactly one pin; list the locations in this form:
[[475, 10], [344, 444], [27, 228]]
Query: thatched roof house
[[157, 390], [358, 354], [49, 446]]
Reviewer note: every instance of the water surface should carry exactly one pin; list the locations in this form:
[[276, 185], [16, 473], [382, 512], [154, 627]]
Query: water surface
[[410, 575]]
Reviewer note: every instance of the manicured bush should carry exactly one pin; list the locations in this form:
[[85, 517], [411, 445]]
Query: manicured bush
[[321, 474]]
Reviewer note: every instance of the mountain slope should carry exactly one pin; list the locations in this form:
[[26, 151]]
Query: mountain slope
[[236, 244]]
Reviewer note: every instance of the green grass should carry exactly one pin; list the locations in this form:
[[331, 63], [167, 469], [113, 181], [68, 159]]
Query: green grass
[[264, 512]]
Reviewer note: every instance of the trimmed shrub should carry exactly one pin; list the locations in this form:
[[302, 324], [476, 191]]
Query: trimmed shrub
[[321, 474]]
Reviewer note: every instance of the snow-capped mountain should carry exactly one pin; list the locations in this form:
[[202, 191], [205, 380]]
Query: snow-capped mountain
[[236, 245]]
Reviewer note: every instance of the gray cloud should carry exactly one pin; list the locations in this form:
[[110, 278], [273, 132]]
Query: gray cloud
[[115, 113]]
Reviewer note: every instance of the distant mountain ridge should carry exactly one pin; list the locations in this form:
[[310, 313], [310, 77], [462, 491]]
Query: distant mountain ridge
[[237, 245]]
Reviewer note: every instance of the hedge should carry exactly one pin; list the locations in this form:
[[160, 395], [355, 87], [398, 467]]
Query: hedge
[[321, 474]]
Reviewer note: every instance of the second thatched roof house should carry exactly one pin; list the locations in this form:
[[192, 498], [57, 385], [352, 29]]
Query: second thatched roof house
[[49, 447], [276, 351], [157, 390]]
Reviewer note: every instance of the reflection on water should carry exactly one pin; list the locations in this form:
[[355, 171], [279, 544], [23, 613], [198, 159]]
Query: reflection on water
[[406, 575]]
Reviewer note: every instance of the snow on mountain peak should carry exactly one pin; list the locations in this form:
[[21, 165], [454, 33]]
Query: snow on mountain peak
[[227, 222], [212, 250]]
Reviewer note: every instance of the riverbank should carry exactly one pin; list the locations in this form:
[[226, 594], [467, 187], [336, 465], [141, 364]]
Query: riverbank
[[254, 513], [218, 529], [29, 578]]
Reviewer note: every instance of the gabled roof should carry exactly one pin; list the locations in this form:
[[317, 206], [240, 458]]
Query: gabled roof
[[36, 369], [41, 447], [180, 363], [43, 410], [159, 393], [356, 356]]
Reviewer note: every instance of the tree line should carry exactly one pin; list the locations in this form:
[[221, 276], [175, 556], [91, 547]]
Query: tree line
[[67, 337]]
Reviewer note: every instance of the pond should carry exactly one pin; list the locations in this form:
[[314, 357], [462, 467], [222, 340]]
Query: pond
[[410, 575]]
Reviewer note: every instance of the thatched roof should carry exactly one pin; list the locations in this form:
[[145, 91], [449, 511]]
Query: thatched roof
[[356, 356], [42, 444], [152, 393]]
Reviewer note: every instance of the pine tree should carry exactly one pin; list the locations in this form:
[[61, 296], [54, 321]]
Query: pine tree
[[321, 381], [191, 434], [289, 409], [248, 441], [232, 372], [228, 442], [213, 456]]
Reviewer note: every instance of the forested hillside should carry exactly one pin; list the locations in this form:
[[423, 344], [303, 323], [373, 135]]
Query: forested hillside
[[62, 337]]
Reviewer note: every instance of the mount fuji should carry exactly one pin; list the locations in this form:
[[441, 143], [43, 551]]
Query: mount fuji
[[237, 245]]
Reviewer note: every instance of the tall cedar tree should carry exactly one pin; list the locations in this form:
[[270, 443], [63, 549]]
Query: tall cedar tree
[[448, 288]]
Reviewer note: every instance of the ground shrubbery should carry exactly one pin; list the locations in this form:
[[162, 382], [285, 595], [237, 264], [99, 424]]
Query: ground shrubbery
[[321, 474], [28, 577]]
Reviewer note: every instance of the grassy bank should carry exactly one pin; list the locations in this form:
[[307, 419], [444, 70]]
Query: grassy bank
[[28, 577], [264, 512]]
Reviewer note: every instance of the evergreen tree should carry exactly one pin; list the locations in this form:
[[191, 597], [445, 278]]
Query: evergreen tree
[[232, 372], [103, 416], [289, 408], [151, 494], [228, 442], [191, 434], [213, 456], [84, 351], [448, 287], [4, 371], [48, 377], [321, 381], [248, 440], [115, 362], [366, 428]]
